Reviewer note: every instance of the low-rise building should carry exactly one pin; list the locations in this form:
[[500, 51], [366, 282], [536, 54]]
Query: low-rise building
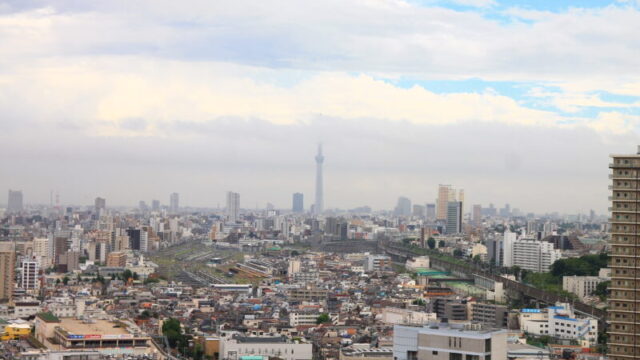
[[559, 321], [236, 346], [582, 286], [490, 314], [448, 341]]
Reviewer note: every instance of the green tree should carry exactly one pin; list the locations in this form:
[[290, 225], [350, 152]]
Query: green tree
[[65, 280], [173, 331], [323, 319], [431, 243], [441, 243], [126, 275], [419, 302], [601, 290], [458, 253]]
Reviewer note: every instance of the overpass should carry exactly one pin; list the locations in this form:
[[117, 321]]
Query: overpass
[[399, 252]]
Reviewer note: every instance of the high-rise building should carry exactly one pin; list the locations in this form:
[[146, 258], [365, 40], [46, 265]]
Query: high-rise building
[[60, 247], [233, 206], [624, 311], [138, 239], [534, 255], [100, 205], [14, 203], [418, 211], [476, 215], [319, 205], [29, 274], [507, 248], [7, 270], [454, 217], [403, 207], [431, 211], [298, 203], [155, 205], [445, 194], [174, 203]]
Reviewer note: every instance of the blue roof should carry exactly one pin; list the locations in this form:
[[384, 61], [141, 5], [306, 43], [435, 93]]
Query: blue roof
[[531, 310], [556, 307]]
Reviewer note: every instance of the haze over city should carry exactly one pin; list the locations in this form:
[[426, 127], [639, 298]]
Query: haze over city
[[135, 101]]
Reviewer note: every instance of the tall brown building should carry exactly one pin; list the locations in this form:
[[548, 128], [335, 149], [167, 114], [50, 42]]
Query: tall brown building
[[7, 271], [624, 300]]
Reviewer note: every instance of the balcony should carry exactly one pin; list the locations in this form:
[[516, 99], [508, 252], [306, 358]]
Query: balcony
[[632, 176], [623, 188], [622, 166]]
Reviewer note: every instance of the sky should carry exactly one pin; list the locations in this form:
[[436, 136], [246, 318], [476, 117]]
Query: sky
[[513, 101]]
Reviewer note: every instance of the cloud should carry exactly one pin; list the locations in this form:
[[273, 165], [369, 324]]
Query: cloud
[[131, 95], [250, 86]]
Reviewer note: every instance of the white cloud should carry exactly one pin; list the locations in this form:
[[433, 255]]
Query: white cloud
[[106, 92]]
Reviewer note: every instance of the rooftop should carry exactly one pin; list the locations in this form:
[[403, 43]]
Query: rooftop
[[97, 327], [48, 317], [261, 339]]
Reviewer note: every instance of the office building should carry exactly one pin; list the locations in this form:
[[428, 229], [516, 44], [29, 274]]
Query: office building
[[7, 271], [135, 238], [174, 203], [444, 196], [14, 203], [233, 206], [298, 203], [449, 342], [318, 207], [623, 310], [155, 205], [100, 204], [403, 207], [454, 217]]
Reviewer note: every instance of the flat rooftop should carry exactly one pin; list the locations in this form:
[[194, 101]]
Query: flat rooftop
[[97, 327]]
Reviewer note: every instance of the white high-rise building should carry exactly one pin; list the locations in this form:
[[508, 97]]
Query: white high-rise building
[[533, 255], [507, 248], [144, 240], [233, 206], [29, 274]]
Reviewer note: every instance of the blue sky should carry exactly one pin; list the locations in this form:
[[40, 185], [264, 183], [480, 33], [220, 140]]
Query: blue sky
[[224, 83]]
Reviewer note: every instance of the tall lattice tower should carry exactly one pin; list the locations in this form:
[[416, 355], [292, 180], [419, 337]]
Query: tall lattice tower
[[319, 205]]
